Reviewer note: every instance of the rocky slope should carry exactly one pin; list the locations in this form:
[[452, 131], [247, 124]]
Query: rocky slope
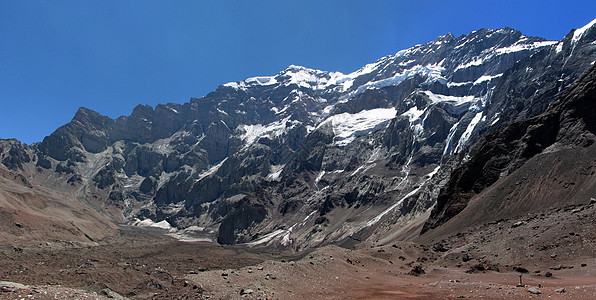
[[307, 157], [31, 214], [545, 161]]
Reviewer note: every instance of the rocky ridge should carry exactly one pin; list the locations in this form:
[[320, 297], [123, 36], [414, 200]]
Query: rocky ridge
[[307, 157]]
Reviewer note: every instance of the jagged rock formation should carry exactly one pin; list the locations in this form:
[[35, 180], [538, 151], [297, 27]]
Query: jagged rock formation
[[308, 157], [30, 214], [553, 152]]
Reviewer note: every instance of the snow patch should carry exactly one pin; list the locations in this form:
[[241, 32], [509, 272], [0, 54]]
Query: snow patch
[[253, 132], [559, 47], [578, 33], [476, 62], [396, 204], [518, 46], [150, 223], [348, 127], [486, 78], [452, 84], [211, 170], [275, 172], [319, 177], [431, 72], [436, 98], [267, 238], [463, 140], [450, 136]]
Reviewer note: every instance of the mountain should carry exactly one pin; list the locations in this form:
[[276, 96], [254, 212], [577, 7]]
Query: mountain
[[32, 214], [542, 162], [309, 157]]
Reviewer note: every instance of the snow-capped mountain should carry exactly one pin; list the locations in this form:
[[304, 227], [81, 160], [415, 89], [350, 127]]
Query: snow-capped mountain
[[307, 157]]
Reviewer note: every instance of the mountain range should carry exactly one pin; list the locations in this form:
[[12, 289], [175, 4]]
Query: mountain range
[[456, 131]]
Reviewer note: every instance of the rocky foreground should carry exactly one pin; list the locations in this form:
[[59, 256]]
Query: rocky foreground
[[483, 261]]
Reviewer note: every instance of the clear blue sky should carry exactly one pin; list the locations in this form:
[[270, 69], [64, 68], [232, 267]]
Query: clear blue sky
[[56, 56]]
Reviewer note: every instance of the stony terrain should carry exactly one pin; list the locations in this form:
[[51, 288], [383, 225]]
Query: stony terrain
[[482, 261]]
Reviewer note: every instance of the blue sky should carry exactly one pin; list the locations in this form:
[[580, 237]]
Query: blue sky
[[109, 56]]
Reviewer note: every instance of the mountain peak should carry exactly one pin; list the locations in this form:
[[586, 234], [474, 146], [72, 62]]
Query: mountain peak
[[581, 32]]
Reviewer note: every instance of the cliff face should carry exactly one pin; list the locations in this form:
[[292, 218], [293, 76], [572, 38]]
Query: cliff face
[[557, 145]]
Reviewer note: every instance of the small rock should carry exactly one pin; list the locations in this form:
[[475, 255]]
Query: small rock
[[560, 290], [583, 265], [416, 271], [246, 292], [548, 274], [553, 256], [517, 224], [557, 267], [110, 294], [534, 291]]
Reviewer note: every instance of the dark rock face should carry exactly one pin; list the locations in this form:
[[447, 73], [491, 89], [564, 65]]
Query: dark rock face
[[44, 162], [241, 216], [313, 156], [570, 122], [15, 155]]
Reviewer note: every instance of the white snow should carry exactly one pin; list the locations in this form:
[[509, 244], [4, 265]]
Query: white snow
[[578, 33], [463, 140], [487, 78], [252, 81], [436, 98], [150, 223], [452, 84], [252, 132], [559, 47], [303, 77], [431, 72], [450, 138], [396, 204], [476, 62], [519, 46], [267, 238], [347, 127], [275, 172], [211, 170], [262, 80], [413, 113], [319, 177]]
